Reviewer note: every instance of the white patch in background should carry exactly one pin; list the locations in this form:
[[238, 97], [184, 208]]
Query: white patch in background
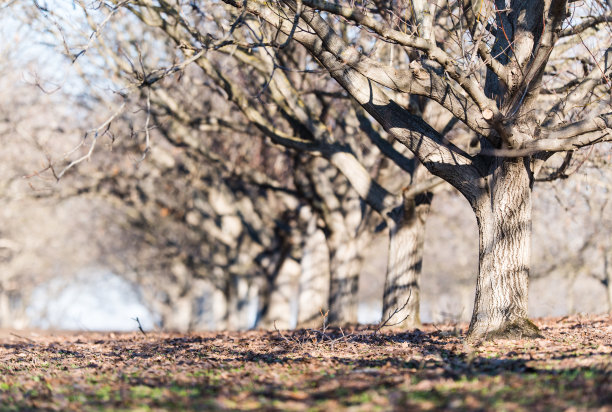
[[369, 313], [91, 301]]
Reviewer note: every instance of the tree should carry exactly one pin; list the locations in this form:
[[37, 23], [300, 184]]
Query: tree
[[41, 239], [580, 244], [190, 223], [520, 46], [337, 147], [500, 69]]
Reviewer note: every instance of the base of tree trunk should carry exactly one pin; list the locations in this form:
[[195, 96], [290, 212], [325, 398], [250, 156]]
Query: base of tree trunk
[[521, 328], [410, 324], [405, 326]]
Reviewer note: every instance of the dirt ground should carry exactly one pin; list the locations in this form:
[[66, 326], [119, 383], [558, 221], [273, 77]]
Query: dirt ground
[[429, 369]]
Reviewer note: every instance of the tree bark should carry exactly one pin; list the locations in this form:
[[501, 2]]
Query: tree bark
[[503, 214], [342, 214], [239, 299], [313, 292], [178, 317], [220, 309], [279, 310], [608, 278], [209, 309], [345, 265], [401, 298], [5, 310]]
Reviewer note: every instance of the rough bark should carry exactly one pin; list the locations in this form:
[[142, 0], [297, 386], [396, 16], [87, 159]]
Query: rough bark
[[401, 298], [503, 215]]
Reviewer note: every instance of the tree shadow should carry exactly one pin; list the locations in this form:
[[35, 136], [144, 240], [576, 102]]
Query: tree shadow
[[431, 368], [305, 368]]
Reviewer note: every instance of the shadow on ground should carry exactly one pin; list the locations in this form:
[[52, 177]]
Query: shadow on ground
[[312, 370]]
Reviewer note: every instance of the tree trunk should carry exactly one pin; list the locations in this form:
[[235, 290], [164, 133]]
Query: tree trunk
[[313, 295], [279, 310], [239, 300], [207, 309], [5, 310], [608, 278], [570, 296], [401, 299], [220, 310], [344, 283], [503, 214], [342, 213], [179, 315]]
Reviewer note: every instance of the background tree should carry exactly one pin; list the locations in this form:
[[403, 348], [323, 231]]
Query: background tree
[[499, 106], [515, 45], [344, 263], [401, 296], [42, 238]]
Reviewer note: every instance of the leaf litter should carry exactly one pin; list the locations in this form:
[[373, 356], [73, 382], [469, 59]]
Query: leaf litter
[[328, 369]]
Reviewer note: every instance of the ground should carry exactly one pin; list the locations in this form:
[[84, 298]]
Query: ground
[[569, 369]]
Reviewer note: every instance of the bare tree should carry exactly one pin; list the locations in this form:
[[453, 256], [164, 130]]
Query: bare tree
[[500, 69], [39, 240], [321, 142], [579, 245], [504, 106]]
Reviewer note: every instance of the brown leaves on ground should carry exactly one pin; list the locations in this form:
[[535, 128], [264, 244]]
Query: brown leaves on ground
[[570, 368]]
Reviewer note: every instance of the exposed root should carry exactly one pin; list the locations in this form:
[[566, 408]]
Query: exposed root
[[521, 328]]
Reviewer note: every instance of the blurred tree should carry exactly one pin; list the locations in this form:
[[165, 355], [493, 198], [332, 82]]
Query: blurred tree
[[521, 45], [38, 239], [340, 149], [505, 72]]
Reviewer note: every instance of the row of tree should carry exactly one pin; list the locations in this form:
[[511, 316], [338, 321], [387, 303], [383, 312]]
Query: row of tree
[[273, 139]]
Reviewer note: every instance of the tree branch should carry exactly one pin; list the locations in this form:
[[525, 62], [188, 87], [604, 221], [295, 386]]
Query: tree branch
[[602, 122], [587, 23]]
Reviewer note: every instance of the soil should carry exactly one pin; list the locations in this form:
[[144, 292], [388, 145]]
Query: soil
[[570, 368]]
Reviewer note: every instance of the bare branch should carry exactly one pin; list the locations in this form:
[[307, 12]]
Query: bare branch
[[96, 134], [587, 23]]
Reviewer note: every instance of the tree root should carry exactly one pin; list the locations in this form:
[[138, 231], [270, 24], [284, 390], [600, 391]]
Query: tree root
[[521, 328]]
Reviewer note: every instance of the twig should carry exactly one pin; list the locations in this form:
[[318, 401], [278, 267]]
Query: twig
[[104, 126], [294, 340], [392, 314], [98, 31], [324, 320], [23, 337], [583, 161], [296, 19], [139, 325]]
